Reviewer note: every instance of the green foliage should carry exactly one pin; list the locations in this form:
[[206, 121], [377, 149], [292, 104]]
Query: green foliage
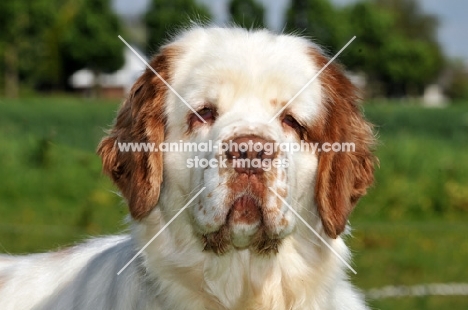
[[457, 88], [410, 253], [53, 70], [247, 13], [163, 17], [410, 229], [415, 32], [21, 24], [52, 189], [423, 158], [395, 46], [318, 20], [411, 20], [92, 41], [371, 26], [407, 56], [43, 42]]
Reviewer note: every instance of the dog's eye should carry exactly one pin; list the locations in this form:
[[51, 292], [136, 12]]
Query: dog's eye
[[290, 121], [207, 114]]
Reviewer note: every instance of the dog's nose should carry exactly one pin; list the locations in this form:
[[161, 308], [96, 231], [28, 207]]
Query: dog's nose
[[250, 154]]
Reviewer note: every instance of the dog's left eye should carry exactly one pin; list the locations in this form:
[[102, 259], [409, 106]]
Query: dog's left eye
[[290, 121]]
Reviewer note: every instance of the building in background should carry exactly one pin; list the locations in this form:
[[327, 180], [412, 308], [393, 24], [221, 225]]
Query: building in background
[[112, 85]]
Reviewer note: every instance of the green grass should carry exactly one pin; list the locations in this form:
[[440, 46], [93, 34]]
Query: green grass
[[52, 191], [423, 157], [410, 228]]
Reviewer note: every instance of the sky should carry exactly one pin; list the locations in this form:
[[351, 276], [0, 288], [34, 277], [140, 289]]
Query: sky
[[452, 14]]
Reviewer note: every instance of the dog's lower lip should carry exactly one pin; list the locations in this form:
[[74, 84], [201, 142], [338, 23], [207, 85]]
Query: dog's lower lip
[[245, 210]]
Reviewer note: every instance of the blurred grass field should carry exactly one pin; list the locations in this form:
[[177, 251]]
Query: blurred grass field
[[410, 229]]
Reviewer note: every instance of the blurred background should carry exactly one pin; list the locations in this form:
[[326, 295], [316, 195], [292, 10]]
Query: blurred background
[[64, 71]]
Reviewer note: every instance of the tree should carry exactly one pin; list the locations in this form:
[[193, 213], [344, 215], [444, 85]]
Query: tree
[[57, 65], [416, 31], [318, 20], [398, 60], [164, 16], [457, 80], [396, 44], [22, 24], [12, 25], [43, 42], [92, 42], [247, 13], [411, 20]]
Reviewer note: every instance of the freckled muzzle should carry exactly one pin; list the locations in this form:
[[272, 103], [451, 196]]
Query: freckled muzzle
[[253, 217]]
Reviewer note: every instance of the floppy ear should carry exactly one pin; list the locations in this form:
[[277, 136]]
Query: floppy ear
[[141, 119], [342, 177]]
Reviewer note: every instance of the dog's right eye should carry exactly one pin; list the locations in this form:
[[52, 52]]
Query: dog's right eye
[[207, 114]]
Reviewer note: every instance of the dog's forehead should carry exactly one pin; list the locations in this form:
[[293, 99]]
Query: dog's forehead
[[222, 65], [256, 54]]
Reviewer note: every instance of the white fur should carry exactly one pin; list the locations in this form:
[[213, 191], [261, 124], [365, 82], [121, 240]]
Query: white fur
[[239, 72]]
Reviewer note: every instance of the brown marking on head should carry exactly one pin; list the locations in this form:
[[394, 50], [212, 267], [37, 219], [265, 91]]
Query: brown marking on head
[[140, 119], [277, 104], [342, 177]]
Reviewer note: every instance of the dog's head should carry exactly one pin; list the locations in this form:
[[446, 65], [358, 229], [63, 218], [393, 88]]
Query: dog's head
[[260, 133]]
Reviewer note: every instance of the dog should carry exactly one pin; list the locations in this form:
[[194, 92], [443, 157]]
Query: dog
[[208, 231]]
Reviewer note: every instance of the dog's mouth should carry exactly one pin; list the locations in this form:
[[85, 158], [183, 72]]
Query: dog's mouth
[[244, 228], [245, 210]]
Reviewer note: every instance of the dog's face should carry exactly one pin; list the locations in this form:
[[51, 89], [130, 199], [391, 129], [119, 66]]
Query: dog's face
[[241, 87]]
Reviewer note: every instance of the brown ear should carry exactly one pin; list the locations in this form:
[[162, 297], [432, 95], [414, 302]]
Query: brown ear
[[141, 119], [342, 177]]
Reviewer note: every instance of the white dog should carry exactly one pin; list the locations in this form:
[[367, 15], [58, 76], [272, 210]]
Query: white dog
[[241, 242]]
